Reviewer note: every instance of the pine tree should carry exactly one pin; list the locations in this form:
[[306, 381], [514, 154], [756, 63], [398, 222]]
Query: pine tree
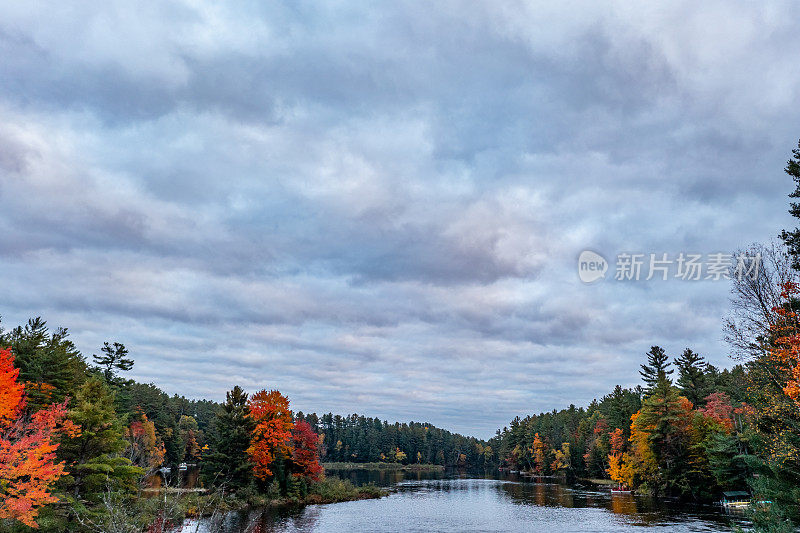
[[114, 357], [93, 457], [692, 376], [657, 365], [50, 366], [227, 460], [792, 238]]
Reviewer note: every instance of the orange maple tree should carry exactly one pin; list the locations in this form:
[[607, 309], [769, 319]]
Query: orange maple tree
[[272, 436], [539, 449], [145, 449], [305, 455], [786, 343], [27, 448]]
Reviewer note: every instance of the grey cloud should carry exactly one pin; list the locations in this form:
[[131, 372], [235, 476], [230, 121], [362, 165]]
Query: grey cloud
[[379, 210]]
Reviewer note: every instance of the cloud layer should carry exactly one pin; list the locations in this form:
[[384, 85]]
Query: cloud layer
[[380, 209]]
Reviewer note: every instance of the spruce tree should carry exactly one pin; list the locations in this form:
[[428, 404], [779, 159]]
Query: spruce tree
[[227, 461], [93, 457], [693, 376], [657, 365], [792, 238]]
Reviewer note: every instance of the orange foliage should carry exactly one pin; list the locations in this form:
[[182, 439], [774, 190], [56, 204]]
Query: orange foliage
[[11, 392], [144, 447], [27, 448], [617, 441], [539, 449], [787, 341], [273, 432]]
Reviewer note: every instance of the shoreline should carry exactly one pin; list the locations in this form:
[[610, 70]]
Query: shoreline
[[397, 467]]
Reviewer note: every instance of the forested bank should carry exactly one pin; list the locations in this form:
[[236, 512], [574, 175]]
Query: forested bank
[[79, 441], [690, 430]]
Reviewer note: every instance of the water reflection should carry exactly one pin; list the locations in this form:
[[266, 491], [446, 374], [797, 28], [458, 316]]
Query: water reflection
[[424, 501]]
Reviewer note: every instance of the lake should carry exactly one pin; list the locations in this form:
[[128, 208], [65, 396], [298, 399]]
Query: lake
[[425, 502]]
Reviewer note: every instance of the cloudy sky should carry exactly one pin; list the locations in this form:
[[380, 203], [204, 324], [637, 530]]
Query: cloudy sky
[[380, 209]]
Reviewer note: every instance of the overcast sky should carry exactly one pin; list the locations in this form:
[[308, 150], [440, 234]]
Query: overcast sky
[[380, 209]]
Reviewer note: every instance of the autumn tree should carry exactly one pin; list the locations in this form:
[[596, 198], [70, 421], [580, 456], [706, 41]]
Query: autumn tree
[[28, 445], [539, 450], [774, 395], [662, 426], [144, 448], [561, 459], [305, 452], [271, 439]]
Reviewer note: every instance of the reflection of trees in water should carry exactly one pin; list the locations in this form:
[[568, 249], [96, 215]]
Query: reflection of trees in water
[[541, 494], [183, 479], [623, 504]]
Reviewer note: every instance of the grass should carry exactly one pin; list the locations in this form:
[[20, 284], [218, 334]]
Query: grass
[[383, 466], [332, 490]]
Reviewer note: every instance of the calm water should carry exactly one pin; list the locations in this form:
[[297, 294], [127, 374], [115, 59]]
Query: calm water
[[453, 504]]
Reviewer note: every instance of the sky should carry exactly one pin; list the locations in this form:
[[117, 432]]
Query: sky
[[378, 208]]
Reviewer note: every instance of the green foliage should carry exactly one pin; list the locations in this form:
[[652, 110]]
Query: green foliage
[[657, 364], [92, 458], [50, 365], [695, 376], [792, 238], [360, 439], [113, 358], [227, 461]]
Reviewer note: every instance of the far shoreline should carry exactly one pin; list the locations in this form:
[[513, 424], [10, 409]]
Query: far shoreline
[[383, 466]]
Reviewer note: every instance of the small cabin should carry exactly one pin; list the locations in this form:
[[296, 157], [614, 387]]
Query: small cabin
[[735, 498]]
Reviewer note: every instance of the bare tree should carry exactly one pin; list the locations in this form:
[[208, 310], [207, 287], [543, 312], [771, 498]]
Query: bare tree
[[754, 297]]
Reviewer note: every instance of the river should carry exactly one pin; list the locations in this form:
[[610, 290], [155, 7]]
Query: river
[[448, 503]]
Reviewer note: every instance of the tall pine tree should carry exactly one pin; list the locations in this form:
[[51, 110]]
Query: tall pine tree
[[792, 238], [657, 365], [693, 376]]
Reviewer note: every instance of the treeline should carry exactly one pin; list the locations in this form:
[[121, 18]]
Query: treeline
[[359, 439], [678, 438]]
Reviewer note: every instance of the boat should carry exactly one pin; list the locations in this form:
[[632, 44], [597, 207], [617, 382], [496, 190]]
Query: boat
[[735, 499], [620, 489]]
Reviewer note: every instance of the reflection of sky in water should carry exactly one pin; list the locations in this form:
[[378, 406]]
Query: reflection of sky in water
[[485, 505]]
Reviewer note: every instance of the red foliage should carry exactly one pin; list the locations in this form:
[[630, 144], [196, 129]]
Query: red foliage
[[601, 427], [718, 408], [617, 442], [305, 455], [273, 433], [27, 448]]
